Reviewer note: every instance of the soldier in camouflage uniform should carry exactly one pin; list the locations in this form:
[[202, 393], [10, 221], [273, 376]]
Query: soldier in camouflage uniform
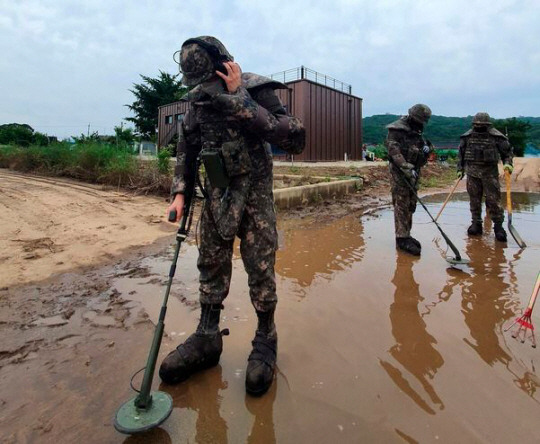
[[408, 152], [479, 153], [235, 115]]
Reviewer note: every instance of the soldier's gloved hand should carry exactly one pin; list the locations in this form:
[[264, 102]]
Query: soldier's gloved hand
[[508, 167], [408, 170], [460, 174]]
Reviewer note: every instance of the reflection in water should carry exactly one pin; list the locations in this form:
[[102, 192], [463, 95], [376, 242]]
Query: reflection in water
[[487, 304], [455, 276], [414, 348], [201, 394], [262, 408], [154, 436], [485, 299], [320, 249], [523, 202]]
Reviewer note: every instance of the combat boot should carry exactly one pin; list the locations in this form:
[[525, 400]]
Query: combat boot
[[416, 242], [500, 233], [200, 351], [407, 245], [475, 229], [262, 359]]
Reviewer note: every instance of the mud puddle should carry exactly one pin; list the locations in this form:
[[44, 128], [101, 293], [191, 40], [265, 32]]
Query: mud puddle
[[375, 346]]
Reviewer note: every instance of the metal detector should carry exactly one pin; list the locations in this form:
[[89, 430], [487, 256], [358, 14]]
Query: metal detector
[[511, 228], [149, 409], [457, 260]]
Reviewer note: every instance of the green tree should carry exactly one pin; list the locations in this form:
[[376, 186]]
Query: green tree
[[124, 136], [149, 96], [21, 134], [91, 138], [517, 131]]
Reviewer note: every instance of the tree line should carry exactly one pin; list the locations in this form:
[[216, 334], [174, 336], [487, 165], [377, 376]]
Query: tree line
[[520, 130]]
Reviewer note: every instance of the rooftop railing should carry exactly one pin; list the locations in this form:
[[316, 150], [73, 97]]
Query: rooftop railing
[[301, 73]]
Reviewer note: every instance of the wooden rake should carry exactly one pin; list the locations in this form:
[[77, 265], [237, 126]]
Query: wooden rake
[[447, 199], [524, 322]]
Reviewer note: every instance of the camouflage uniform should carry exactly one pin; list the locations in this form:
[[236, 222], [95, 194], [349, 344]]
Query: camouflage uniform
[[479, 153], [231, 132], [405, 145], [238, 125]]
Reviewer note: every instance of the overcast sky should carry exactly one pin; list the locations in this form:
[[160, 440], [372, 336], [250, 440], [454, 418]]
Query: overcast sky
[[67, 64]]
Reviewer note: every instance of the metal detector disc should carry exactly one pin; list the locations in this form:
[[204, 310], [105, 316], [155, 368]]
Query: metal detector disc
[[130, 419], [455, 261]]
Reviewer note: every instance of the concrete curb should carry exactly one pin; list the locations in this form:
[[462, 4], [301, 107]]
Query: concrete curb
[[295, 196]]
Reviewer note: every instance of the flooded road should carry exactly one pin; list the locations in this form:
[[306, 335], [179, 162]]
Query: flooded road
[[374, 345]]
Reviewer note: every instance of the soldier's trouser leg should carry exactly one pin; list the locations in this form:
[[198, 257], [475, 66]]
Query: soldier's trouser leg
[[203, 348], [214, 263], [404, 203], [258, 243], [492, 190], [475, 189]]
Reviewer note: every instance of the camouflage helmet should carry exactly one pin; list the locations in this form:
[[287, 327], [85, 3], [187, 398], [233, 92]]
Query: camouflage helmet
[[419, 112], [481, 119], [200, 57]]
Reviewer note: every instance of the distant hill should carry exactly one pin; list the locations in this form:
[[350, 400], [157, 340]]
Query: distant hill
[[440, 128]]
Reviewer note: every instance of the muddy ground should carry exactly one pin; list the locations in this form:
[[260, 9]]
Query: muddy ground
[[374, 345]]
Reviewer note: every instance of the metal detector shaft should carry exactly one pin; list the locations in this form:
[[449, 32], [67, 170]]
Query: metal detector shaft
[[511, 228], [413, 189], [144, 398]]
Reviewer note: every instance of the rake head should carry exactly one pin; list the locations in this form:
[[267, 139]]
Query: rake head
[[524, 323]]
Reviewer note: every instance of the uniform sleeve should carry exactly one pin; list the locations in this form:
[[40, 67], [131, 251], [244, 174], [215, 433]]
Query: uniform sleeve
[[505, 151], [265, 116], [393, 145], [461, 155], [187, 150]]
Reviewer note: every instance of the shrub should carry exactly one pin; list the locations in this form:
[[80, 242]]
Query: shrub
[[380, 151], [163, 160], [7, 155], [93, 162]]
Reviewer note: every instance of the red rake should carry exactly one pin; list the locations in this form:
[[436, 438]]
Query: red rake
[[525, 322]]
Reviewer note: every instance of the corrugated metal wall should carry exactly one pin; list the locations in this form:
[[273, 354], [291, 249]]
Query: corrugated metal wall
[[333, 120], [166, 130]]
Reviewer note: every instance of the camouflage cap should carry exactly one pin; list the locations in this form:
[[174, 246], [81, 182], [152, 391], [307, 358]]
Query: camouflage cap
[[200, 57], [481, 119], [419, 112]]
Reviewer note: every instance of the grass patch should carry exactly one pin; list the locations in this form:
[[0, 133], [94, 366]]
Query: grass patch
[[92, 162]]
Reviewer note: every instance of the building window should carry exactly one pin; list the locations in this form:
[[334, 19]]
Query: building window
[[168, 119], [179, 117]]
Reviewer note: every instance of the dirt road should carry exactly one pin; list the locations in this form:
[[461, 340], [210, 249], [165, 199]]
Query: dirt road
[[51, 225]]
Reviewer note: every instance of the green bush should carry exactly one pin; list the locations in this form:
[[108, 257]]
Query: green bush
[[380, 151], [7, 155], [163, 160], [119, 169], [92, 161]]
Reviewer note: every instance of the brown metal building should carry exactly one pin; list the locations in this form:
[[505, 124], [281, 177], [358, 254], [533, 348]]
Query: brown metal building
[[331, 114]]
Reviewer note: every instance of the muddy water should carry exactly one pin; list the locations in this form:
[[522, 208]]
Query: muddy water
[[375, 345]]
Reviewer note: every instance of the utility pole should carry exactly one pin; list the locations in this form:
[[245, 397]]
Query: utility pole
[[88, 131]]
